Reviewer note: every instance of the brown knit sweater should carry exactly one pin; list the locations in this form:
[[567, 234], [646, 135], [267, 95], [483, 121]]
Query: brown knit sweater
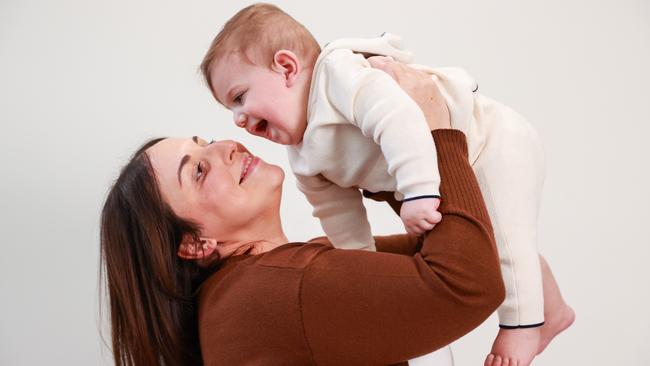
[[311, 304]]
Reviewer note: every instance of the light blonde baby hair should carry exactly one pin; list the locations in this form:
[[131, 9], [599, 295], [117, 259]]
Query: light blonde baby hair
[[257, 32]]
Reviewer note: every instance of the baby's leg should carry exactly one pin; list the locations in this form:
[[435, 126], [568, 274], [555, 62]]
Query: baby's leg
[[510, 170], [557, 314]]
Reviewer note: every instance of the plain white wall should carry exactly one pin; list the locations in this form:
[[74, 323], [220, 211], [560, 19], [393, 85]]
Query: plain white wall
[[83, 83]]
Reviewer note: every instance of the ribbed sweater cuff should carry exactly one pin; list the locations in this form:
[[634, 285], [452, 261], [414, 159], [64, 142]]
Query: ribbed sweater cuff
[[458, 187]]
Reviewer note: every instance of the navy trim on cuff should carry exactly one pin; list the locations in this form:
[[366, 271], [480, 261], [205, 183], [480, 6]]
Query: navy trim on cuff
[[421, 197], [521, 326], [366, 193]]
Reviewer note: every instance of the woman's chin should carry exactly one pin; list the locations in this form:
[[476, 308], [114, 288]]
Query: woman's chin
[[280, 174], [276, 175], [272, 169], [267, 174]]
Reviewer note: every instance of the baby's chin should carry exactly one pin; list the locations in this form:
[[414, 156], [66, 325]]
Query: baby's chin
[[296, 138], [287, 140]]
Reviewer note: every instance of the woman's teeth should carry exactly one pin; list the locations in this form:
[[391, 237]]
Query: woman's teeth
[[247, 163]]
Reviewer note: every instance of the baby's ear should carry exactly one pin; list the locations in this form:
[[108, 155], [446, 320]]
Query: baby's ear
[[288, 64], [191, 249]]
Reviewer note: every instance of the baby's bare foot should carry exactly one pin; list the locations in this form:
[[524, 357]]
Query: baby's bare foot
[[555, 322], [514, 347]]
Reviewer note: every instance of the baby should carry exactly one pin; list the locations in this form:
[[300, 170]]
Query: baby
[[349, 127]]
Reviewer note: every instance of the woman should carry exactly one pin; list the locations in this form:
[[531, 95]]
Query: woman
[[195, 224]]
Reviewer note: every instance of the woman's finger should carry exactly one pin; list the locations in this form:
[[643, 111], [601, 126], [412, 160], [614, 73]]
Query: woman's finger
[[380, 61], [385, 64], [420, 87]]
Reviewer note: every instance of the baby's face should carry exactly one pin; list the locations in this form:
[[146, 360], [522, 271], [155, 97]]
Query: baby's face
[[261, 100]]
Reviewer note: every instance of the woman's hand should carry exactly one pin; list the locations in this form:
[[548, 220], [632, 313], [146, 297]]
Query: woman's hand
[[420, 87]]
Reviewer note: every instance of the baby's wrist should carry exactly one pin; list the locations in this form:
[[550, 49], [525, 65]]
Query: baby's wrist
[[428, 196]]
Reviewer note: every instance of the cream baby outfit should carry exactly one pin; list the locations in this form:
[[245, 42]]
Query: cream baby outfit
[[365, 132]]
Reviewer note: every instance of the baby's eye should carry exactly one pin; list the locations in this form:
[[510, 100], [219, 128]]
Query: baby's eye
[[238, 99]]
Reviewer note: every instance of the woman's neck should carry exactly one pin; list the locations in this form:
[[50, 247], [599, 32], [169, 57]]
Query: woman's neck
[[265, 238]]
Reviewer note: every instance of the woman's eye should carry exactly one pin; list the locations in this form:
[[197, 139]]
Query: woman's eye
[[199, 171]]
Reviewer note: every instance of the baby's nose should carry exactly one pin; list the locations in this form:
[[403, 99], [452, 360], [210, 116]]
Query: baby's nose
[[241, 119]]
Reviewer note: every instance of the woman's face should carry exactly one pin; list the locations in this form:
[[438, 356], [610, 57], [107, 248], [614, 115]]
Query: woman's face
[[219, 185]]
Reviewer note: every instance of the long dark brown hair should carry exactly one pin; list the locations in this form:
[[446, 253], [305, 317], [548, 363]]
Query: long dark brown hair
[[151, 291]]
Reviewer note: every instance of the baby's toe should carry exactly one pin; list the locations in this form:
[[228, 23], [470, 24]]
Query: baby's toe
[[489, 360], [497, 361]]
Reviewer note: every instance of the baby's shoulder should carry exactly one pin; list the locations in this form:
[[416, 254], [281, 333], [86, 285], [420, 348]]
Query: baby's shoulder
[[341, 59]]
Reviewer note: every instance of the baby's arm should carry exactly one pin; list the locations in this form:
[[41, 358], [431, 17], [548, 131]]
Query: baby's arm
[[341, 212], [372, 101]]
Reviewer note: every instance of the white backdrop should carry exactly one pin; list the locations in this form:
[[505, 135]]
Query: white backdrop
[[84, 82]]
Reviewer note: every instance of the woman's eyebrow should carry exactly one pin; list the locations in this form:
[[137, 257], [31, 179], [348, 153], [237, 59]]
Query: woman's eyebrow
[[184, 160]]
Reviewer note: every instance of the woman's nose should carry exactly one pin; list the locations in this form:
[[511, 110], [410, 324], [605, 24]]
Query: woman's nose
[[241, 119], [229, 150], [223, 150]]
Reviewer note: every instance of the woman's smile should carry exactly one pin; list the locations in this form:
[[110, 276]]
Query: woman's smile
[[249, 162]]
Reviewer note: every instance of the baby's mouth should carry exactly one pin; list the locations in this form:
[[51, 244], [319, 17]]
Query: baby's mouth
[[261, 127]]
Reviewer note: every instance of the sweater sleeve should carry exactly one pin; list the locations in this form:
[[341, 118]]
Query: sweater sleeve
[[405, 244], [372, 101], [380, 308], [341, 212]]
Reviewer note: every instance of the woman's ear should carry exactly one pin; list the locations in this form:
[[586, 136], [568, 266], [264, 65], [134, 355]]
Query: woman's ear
[[190, 249], [288, 64]]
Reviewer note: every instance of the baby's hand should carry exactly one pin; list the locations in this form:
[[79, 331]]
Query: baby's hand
[[420, 215]]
